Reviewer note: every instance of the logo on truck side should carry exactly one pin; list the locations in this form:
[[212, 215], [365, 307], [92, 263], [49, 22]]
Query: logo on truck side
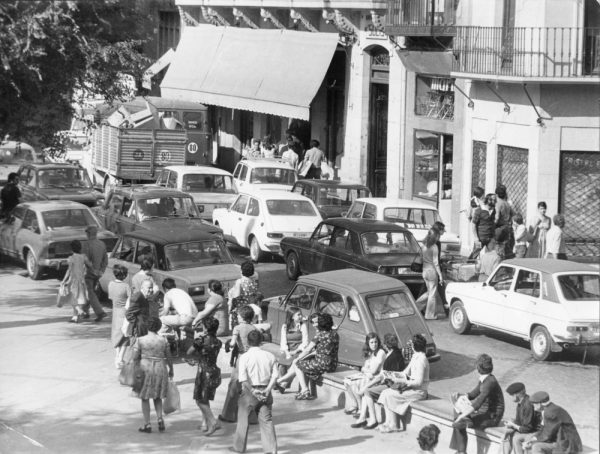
[[165, 156], [138, 154]]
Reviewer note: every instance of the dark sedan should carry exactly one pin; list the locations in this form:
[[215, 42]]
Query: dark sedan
[[362, 244], [332, 198]]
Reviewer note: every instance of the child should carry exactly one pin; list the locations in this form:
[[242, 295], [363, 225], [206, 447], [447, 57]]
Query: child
[[520, 248], [75, 280]]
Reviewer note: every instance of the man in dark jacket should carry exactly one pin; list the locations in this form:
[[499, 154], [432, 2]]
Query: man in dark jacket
[[525, 422], [10, 195], [558, 434], [486, 409]]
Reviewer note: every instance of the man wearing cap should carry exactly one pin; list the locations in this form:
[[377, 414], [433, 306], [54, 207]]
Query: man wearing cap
[[558, 433], [525, 422], [95, 250]]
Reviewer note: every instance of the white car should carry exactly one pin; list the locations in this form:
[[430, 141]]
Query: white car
[[259, 220], [252, 174], [412, 215], [554, 304], [210, 187]]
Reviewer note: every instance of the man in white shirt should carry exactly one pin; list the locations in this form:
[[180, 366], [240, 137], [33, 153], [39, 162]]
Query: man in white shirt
[[258, 373], [180, 303], [315, 155], [555, 240], [288, 154]]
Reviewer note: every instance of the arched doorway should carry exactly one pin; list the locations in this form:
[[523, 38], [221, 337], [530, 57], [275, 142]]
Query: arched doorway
[[378, 120]]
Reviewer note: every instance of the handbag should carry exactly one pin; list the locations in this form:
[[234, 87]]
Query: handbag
[[417, 264], [172, 401]]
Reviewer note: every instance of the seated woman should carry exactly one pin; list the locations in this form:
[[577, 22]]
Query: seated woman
[[294, 339], [374, 356], [411, 388], [325, 345]]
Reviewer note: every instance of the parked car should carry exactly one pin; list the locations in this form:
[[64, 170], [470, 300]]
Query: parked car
[[40, 233], [13, 154], [412, 215], [62, 181], [259, 220], [189, 256], [553, 304], [340, 243], [264, 174], [359, 303], [332, 198], [209, 186], [129, 208]]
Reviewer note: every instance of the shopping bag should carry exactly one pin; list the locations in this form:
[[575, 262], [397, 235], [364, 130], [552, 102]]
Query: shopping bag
[[127, 374], [64, 292], [305, 167], [172, 401]]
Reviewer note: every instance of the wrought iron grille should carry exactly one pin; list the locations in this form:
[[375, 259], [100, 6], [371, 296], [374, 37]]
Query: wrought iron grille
[[580, 202], [478, 166], [512, 173]]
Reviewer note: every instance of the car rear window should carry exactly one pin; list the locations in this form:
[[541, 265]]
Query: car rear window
[[389, 243], [580, 287], [196, 254], [290, 208], [341, 196], [390, 305], [411, 218], [208, 183], [65, 219], [272, 175]]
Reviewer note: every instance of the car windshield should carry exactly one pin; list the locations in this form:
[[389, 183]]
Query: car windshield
[[196, 254], [580, 287], [204, 182], [272, 175], [390, 305], [411, 218], [166, 207], [290, 208], [340, 196], [70, 218], [389, 243], [66, 177]]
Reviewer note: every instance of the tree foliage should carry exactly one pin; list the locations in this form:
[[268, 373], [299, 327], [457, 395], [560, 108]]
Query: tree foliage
[[51, 51]]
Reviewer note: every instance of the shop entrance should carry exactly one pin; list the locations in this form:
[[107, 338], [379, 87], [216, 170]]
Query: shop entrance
[[378, 120], [513, 165]]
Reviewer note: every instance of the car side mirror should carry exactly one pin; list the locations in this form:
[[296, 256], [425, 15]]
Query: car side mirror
[[484, 284], [344, 214], [280, 300]]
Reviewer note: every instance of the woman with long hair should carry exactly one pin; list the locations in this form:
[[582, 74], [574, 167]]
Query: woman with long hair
[[538, 228], [294, 339], [216, 307], [431, 271], [119, 292]]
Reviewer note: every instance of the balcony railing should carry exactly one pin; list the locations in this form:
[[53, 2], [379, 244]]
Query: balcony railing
[[420, 17], [528, 51]]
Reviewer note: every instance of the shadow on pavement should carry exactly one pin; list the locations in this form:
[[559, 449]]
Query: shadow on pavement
[[452, 365]]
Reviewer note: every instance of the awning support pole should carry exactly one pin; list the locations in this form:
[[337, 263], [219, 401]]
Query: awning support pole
[[471, 103], [540, 119], [506, 106]]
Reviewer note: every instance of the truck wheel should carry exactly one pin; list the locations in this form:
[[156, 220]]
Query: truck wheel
[[458, 318], [255, 253], [292, 266], [33, 268], [541, 344]]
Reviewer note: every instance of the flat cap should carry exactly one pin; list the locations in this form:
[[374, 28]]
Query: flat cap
[[539, 397], [515, 388]]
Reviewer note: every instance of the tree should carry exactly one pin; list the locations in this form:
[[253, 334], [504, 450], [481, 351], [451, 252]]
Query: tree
[[52, 50]]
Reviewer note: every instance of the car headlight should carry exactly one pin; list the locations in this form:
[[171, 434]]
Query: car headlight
[[577, 329], [197, 290], [274, 235]]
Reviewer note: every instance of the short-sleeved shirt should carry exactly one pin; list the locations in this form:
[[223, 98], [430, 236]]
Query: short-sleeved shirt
[[555, 242], [256, 366], [316, 156]]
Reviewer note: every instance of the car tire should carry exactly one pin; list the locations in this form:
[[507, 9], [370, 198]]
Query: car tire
[[256, 255], [540, 343], [33, 267], [292, 266], [458, 318]]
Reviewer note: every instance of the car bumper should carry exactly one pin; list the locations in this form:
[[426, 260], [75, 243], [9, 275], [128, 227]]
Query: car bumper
[[54, 263], [577, 341]]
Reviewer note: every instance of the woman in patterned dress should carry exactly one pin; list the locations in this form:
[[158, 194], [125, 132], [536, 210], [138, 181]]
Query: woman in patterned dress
[[243, 293], [74, 280], [208, 377], [154, 355], [325, 345], [294, 339], [118, 292], [538, 228]]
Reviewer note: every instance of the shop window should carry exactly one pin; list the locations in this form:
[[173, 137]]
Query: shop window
[[478, 166], [434, 98], [433, 165]]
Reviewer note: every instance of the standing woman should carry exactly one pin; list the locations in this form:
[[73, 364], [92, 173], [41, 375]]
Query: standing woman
[[208, 377], [154, 354], [141, 309], [294, 339], [75, 280], [118, 292], [538, 228], [244, 292], [431, 271], [215, 306]]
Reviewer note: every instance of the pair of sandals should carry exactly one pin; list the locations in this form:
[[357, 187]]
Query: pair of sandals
[[385, 429], [304, 395], [147, 428]]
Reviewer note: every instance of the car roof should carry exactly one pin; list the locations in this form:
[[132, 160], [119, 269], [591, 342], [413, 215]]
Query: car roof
[[52, 165], [383, 202], [272, 194], [331, 183], [48, 205], [352, 279], [364, 225], [198, 170], [150, 191], [266, 162], [551, 266], [170, 235]]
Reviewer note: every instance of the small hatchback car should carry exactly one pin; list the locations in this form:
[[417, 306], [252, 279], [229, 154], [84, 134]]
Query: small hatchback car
[[332, 198], [264, 174], [359, 303]]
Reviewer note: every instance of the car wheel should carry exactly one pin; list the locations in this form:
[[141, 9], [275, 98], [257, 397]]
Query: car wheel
[[33, 267], [292, 267], [459, 319], [255, 253], [541, 344]]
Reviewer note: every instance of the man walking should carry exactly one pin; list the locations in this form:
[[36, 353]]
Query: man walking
[[95, 250], [257, 375], [504, 215], [315, 155], [525, 422], [10, 195]]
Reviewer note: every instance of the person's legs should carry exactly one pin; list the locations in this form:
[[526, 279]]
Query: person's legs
[[301, 379], [517, 442], [146, 411], [93, 301], [246, 405], [368, 405], [542, 448], [351, 404], [267, 429], [431, 295], [459, 435], [211, 421], [230, 407]]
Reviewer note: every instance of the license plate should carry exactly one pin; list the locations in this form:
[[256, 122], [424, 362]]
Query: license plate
[[299, 235]]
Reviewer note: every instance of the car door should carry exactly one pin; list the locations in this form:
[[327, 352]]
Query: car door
[[301, 297], [172, 180], [110, 213], [123, 254], [9, 230], [253, 220], [490, 299], [28, 235], [243, 173], [312, 259], [234, 217], [126, 221], [522, 306], [340, 253]]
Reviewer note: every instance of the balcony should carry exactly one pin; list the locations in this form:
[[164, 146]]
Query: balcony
[[420, 17], [529, 53]]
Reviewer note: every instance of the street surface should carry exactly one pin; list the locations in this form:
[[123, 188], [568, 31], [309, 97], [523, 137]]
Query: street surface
[[60, 391]]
